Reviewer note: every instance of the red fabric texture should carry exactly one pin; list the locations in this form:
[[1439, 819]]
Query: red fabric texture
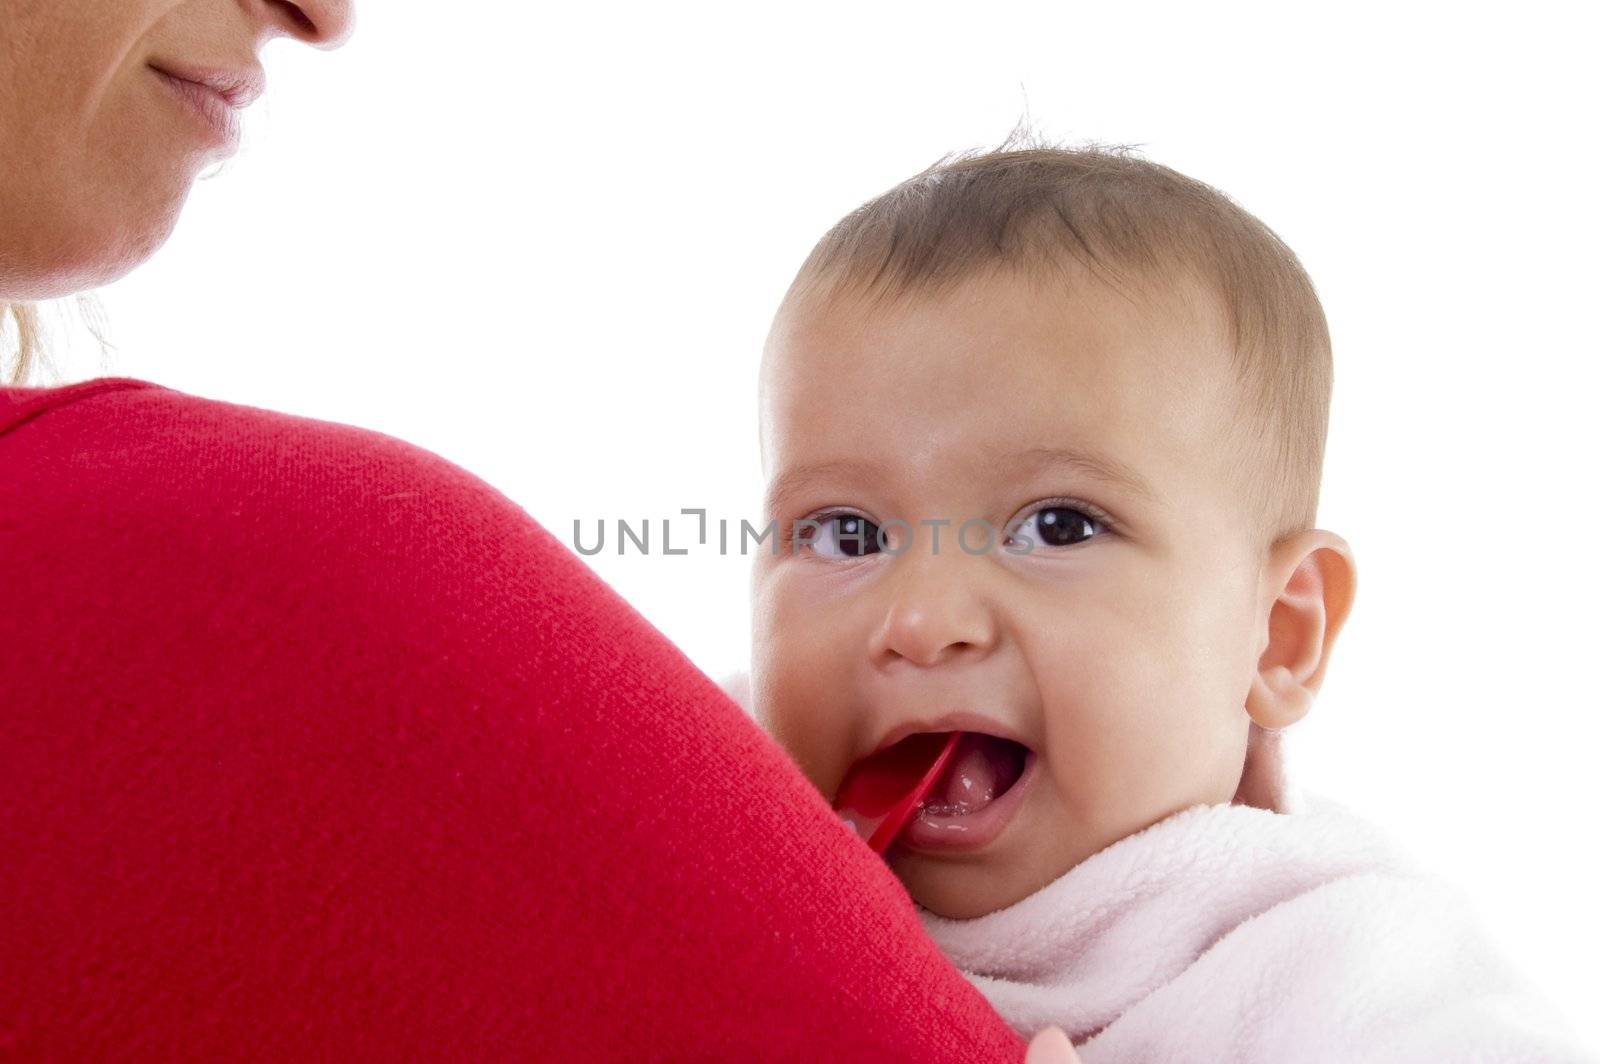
[[314, 746]]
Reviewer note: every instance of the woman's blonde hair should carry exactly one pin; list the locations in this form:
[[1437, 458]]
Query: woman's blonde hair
[[23, 318], [27, 342]]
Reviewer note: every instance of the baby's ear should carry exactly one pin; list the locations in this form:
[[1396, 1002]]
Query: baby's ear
[[1308, 586]]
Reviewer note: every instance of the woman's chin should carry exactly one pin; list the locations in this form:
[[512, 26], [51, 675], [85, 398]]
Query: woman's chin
[[81, 254]]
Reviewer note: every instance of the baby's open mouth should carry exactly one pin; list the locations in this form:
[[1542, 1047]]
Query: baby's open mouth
[[982, 768]]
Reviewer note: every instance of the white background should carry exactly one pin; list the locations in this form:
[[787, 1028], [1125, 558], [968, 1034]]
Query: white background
[[544, 241]]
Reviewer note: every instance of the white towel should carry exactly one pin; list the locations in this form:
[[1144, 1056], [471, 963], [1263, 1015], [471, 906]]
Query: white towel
[[1233, 933]]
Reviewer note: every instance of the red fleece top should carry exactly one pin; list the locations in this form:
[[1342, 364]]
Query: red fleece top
[[315, 746]]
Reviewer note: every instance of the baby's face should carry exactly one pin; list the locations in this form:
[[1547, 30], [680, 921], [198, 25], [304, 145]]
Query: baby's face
[[1120, 649]]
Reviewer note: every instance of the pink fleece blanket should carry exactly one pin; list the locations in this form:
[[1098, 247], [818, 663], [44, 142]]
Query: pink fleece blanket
[[1231, 933]]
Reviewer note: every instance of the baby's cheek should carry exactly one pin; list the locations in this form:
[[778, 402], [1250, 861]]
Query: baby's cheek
[[1120, 726], [792, 714]]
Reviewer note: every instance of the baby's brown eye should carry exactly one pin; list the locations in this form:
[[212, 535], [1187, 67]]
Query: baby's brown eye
[[1059, 526], [843, 535]]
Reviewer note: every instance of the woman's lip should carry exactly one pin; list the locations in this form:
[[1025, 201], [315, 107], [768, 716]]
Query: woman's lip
[[973, 831], [238, 86], [210, 107]]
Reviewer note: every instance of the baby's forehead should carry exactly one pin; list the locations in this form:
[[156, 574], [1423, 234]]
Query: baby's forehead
[[996, 361], [1002, 338], [1173, 310]]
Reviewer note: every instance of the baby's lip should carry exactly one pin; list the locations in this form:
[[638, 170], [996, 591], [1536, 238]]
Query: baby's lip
[[961, 720]]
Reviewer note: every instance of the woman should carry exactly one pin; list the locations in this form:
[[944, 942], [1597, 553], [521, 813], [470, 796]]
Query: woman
[[313, 744]]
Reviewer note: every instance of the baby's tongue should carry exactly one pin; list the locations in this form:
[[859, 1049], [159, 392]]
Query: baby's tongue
[[972, 778]]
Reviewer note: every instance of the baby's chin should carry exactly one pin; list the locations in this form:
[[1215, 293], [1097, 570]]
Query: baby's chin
[[966, 890], [963, 886]]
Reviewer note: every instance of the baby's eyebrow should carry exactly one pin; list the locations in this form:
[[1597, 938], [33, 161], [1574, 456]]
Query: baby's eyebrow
[[793, 481], [1085, 461]]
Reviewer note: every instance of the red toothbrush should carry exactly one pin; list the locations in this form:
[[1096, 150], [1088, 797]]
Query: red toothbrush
[[880, 793]]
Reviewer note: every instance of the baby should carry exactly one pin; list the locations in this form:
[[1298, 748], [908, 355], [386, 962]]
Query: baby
[[1043, 435]]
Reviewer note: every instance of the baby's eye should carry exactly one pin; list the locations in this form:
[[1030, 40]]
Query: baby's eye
[[1058, 526], [842, 536]]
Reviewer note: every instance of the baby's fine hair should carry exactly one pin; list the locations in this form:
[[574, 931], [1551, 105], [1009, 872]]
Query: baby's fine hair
[[1026, 204]]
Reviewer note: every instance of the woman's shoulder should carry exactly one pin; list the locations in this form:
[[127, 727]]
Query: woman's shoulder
[[150, 427], [19, 405], [128, 412], [132, 460]]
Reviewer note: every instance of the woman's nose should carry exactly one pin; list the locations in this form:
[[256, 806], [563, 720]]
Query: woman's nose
[[321, 23], [935, 612]]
